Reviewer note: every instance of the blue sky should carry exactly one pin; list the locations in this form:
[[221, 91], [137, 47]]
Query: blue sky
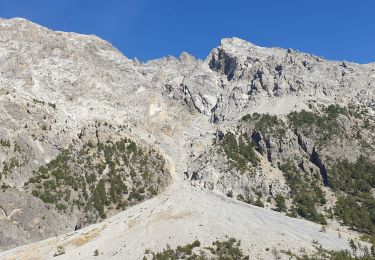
[[147, 29]]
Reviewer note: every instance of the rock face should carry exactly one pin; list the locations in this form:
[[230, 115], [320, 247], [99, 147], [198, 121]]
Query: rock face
[[76, 95]]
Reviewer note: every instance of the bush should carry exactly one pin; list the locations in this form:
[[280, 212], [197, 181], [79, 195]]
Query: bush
[[280, 203], [301, 118], [228, 249], [181, 252], [99, 197], [259, 203], [132, 147]]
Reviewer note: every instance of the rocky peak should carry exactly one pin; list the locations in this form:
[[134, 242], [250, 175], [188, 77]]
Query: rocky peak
[[75, 111]]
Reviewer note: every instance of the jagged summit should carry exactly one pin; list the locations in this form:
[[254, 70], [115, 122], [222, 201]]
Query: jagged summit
[[236, 44]]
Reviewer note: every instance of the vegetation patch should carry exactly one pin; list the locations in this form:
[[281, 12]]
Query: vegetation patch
[[227, 249], [321, 126], [280, 203], [99, 178], [250, 200], [355, 181], [14, 160], [266, 124], [240, 152], [305, 192]]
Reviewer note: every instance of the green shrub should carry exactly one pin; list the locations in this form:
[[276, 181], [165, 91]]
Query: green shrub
[[99, 197], [266, 123], [301, 118], [280, 203], [132, 147], [228, 249], [259, 203]]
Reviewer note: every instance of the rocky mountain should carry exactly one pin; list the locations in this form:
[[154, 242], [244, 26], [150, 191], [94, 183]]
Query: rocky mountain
[[110, 157]]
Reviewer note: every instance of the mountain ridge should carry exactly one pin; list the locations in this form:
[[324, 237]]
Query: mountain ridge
[[64, 92]]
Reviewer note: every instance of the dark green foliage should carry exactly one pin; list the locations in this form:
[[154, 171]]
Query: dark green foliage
[[259, 203], [240, 153], [118, 188], [181, 252], [353, 178], [353, 246], [99, 198], [228, 249], [305, 193], [61, 207], [280, 203], [188, 249], [132, 147], [266, 124], [136, 195], [358, 216], [301, 118], [11, 163], [47, 197], [357, 207], [153, 191], [250, 200], [334, 111], [304, 117]]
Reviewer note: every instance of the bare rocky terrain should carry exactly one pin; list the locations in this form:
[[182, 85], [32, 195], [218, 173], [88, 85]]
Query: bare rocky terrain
[[105, 156]]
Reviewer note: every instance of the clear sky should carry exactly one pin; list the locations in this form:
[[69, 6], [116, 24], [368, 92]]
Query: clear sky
[[147, 29]]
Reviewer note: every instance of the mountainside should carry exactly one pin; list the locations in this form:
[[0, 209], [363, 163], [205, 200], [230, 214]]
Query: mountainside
[[111, 157]]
